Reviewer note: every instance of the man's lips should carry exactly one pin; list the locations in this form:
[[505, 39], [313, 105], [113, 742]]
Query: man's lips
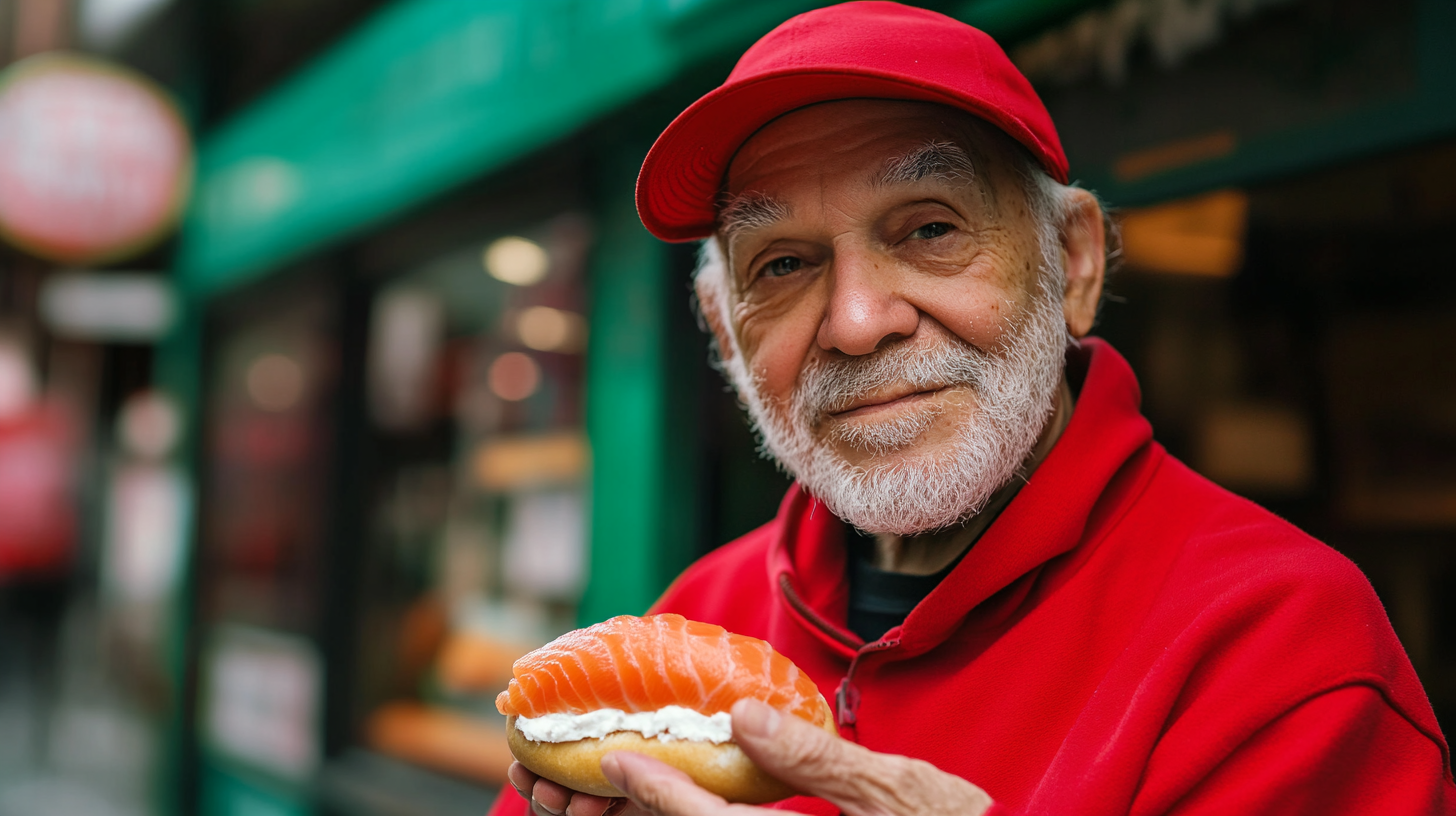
[[866, 406]]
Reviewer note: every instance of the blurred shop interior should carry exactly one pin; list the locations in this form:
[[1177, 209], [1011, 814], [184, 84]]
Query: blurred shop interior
[[390, 386]]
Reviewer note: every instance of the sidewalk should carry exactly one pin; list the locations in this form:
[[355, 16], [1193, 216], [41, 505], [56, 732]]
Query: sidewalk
[[92, 754]]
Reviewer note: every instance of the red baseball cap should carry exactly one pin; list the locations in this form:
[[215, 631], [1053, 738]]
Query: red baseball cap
[[862, 50]]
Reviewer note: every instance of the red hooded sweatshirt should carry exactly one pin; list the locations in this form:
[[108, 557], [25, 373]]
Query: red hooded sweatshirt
[[1126, 638]]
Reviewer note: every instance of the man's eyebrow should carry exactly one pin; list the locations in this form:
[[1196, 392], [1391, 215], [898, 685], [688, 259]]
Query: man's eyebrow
[[935, 159], [749, 211]]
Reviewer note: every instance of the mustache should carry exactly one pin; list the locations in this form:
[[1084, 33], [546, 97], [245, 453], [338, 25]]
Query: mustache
[[831, 385]]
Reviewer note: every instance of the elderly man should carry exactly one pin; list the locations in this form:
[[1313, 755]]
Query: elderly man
[[1017, 601]]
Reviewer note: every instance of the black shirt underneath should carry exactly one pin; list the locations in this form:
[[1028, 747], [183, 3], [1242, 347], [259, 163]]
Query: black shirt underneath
[[880, 600]]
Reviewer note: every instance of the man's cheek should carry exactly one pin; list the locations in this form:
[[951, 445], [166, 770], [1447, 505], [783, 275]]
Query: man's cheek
[[774, 378], [980, 318], [775, 357]]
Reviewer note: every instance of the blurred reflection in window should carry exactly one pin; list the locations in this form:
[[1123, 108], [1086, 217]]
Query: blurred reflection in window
[[263, 556], [478, 519], [148, 511]]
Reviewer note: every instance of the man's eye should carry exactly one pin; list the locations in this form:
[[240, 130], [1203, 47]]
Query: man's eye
[[934, 230], [779, 267]]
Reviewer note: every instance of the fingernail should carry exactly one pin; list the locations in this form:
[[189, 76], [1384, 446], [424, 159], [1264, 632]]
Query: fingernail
[[617, 806], [612, 770], [755, 719], [550, 810]]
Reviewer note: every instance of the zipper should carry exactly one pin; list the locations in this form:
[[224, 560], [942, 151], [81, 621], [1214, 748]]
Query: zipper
[[846, 698]]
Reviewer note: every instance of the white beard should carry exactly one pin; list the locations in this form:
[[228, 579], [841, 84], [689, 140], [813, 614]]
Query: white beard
[[895, 491]]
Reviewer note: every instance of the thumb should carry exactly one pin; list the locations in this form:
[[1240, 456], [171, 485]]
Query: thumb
[[858, 780]]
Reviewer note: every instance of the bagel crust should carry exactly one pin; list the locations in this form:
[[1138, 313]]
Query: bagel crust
[[720, 768]]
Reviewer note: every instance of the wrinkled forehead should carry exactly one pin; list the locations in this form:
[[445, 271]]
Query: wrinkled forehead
[[872, 141]]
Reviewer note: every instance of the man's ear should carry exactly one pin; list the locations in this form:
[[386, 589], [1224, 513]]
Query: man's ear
[[710, 306], [1084, 250]]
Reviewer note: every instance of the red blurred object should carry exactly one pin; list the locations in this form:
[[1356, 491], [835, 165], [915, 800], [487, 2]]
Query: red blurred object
[[876, 50], [37, 514]]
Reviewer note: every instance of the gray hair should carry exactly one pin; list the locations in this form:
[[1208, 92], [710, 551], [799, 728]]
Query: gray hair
[[1051, 206]]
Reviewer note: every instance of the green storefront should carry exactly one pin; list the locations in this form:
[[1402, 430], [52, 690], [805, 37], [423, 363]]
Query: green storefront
[[453, 182]]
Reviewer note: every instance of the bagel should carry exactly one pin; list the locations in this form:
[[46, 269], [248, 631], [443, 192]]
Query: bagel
[[659, 685], [720, 768]]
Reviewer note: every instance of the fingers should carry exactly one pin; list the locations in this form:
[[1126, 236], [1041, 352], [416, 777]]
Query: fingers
[[855, 778], [547, 798], [584, 804], [661, 789], [550, 797], [522, 779]]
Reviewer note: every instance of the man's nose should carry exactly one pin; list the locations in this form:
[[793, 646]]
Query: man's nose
[[865, 310]]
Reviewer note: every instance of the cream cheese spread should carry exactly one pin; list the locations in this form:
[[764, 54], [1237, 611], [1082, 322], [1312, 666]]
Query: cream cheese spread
[[667, 724]]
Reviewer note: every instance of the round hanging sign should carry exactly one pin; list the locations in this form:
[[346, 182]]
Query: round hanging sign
[[95, 160]]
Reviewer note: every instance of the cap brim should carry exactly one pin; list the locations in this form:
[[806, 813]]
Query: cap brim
[[684, 171]]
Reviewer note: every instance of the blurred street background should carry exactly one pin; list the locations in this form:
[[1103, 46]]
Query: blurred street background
[[336, 370]]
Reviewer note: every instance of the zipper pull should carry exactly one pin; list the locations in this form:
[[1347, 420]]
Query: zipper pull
[[846, 698], [846, 702]]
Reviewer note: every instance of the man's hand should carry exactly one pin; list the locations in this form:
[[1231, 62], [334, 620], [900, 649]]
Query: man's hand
[[858, 780], [546, 798]]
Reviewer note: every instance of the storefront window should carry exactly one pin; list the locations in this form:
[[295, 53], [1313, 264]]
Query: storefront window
[[477, 516], [262, 555]]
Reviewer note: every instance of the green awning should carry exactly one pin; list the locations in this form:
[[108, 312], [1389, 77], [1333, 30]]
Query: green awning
[[424, 96], [427, 95]]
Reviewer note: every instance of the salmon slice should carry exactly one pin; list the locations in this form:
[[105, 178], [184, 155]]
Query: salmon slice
[[643, 664]]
